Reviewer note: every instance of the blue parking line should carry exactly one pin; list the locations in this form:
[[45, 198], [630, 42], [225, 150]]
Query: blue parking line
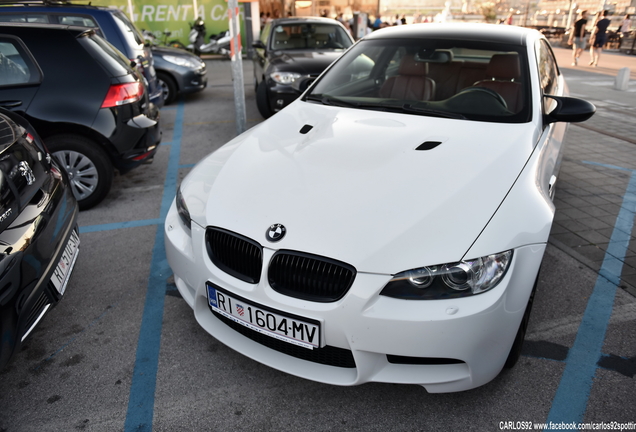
[[119, 225], [141, 401], [570, 402]]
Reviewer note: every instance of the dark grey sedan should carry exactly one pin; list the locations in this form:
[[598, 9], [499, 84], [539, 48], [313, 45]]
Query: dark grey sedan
[[178, 72]]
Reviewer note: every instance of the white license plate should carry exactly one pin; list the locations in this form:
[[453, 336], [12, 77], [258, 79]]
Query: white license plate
[[65, 265], [289, 328]]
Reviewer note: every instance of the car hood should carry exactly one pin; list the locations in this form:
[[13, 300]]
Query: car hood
[[161, 51], [354, 188], [305, 62]]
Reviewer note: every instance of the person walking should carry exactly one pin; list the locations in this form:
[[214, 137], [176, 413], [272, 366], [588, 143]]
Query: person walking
[[577, 37], [625, 29], [599, 33]]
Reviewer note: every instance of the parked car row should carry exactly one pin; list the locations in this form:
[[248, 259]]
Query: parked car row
[[73, 107], [84, 98], [168, 72]]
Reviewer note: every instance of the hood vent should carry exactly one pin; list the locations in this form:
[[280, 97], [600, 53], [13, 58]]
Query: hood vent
[[428, 145], [305, 129]]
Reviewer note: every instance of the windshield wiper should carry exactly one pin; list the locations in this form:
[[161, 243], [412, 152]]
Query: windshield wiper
[[405, 108], [408, 108], [330, 100]]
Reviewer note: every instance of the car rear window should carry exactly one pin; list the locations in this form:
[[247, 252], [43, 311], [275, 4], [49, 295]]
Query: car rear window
[[106, 54], [24, 18], [128, 30], [75, 20]]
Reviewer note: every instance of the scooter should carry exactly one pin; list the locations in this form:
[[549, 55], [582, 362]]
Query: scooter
[[219, 44]]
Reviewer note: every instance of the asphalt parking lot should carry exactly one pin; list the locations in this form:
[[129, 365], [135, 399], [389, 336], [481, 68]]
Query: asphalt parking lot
[[123, 351]]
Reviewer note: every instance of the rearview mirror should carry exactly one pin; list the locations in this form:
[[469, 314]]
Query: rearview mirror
[[258, 44], [568, 109]]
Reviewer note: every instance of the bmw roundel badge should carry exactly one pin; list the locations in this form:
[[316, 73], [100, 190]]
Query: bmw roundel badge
[[275, 232]]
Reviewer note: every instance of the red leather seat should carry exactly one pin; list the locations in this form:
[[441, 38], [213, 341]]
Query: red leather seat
[[411, 83], [505, 70]]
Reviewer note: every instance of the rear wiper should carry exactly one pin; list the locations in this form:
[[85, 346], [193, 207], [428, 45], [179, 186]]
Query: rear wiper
[[408, 108]]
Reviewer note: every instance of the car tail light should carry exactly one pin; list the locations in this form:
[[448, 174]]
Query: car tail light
[[120, 94]]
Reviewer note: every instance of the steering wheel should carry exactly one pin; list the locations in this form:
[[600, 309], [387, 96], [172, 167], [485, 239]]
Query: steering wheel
[[488, 91]]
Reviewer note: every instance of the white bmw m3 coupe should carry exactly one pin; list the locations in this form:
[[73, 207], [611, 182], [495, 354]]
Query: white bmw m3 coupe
[[388, 225]]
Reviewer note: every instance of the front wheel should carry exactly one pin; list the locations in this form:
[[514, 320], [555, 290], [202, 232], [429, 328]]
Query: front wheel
[[168, 87], [89, 169], [262, 101]]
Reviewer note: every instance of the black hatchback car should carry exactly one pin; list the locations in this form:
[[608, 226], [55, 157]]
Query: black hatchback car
[[83, 97], [290, 49], [39, 241], [109, 22]]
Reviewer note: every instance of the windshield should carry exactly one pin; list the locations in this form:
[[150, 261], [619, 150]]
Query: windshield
[[443, 78], [309, 36], [133, 38]]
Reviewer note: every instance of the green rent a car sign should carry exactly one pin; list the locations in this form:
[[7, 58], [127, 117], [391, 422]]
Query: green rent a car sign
[[176, 16]]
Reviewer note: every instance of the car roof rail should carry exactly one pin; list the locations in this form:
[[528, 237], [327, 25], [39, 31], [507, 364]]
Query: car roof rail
[[42, 2]]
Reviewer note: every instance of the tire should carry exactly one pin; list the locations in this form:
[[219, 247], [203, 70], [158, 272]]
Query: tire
[[262, 101], [517, 345], [168, 87], [89, 169]]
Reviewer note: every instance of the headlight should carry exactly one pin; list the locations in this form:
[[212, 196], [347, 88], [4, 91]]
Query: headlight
[[183, 61], [285, 77], [182, 209], [446, 281]]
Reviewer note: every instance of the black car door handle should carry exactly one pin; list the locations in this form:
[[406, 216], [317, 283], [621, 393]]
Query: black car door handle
[[10, 104]]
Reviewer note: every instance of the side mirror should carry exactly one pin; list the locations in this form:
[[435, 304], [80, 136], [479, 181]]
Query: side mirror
[[568, 109], [301, 84], [258, 44]]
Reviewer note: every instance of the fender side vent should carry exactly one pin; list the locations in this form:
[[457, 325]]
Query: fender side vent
[[305, 129], [428, 145]]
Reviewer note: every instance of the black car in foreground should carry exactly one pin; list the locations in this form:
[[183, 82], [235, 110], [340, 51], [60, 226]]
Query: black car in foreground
[[85, 99], [39, 241], [291, 49]]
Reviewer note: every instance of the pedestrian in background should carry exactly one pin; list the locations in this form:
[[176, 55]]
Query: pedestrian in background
[[377, 23], [599, 34], [577, 37], [625, 29]]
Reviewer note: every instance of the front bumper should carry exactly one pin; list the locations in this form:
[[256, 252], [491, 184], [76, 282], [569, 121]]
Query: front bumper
[[280, 95], [444, 345], [192, 81]]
